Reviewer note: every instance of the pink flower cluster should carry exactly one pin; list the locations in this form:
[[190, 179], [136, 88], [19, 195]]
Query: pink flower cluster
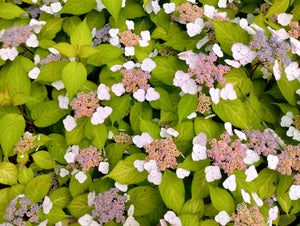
[[246, 216], [85, 104], [188, 13], [226, 155], [89, 157], [164, 152], [25, 143]]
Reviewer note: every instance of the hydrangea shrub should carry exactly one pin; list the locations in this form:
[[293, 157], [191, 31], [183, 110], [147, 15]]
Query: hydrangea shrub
[[149, 112]]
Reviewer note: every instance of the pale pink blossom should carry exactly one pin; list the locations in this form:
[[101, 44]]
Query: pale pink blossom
[[212, 173], [143, 139], [152, 95], [182, 173], [251, 173], [228, 93], [118, 89], [277, 71], [284, 19], [69, 123], [230, 183], [139, 95], [148, 65], [103, 92], [215, 95], [292, 71]]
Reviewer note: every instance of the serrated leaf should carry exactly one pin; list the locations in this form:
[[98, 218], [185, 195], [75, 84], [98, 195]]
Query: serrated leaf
[[113, 7], [79, 206], [172, 191], [191, 165], [87, 51], [140, 110], [187, 104], [12, 127], [47, 113], [65, 49], [186, 134], [221, 199], [145, 200], [51, 72], [199, 186], [81, 35], [166, 68], [181, 41], [96, 133], [74, 75], [278, 6], [37, 188], [8, 173], [43, 160], [77, 188], [120, 106], [78, 7], [77, 134], [228, 33], [61, 197], [190, 219], [114, 153], [125, 172], [57, 147], [51, 28], [211, 128], [102, 57], [282, 197], [288, 89], [22, 98], [266, 183], [150, 127], [193, 206], [10, 11], [25, 175]]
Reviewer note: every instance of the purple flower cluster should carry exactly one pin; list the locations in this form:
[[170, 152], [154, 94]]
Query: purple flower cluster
[[109, 206], [269, 49], [18, 209], [102, 35], [89, 157], [226, 155], [262, 142]]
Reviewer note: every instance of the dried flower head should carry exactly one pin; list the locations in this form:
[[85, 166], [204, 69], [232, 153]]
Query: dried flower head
[[25, 143]]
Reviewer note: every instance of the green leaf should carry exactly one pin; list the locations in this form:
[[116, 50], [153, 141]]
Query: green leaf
[[278, 6], [238, 78], [25, 175], [125, 172], [172, 191], [70, 23], [8, 173], [282, 197], [113, 7], [190, 219], [61, 197], [187, 104], [77, 188], [37, 188], [193, 206], [21, 98], [266, 183], [78, 7], [120, 106], [114, 153], [96, 133], [57, 147], [81, 35], [166, 68], [79, 206], [288, 89], [77, 134], [10, 11], [181, 41], [191, 165], [12, 127], [47, 113], [51, 28], [51, 72], [140, 110], [87, 51], [65, 49], [186, 134], [102, 57], [15, 190], [221, 199], [150, 127], [211, 128], [55, 215], [228, 33], [164, 102], [199, 186], [74, 75], [234, 111], [43, 160], [145, 200]]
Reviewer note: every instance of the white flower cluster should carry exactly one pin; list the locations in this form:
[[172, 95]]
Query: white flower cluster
[[287, 121]]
